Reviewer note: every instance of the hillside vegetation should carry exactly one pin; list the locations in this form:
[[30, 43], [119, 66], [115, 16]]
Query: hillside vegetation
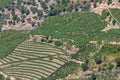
[[79, 27], [22, 57], [116, 13], [4, 3], [9, 40]]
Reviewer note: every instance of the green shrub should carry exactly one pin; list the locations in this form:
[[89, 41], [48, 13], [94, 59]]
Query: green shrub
[[84, 66], [117, 60], [93, 76], [104, 14], [1, 77], [69, 44], [110, 66], [114, 22], [98, 60], [58, 43]]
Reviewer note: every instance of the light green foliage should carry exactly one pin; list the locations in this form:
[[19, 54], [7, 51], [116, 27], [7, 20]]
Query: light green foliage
[[108, 49], [4, 3], [69, 43], [9, 40]]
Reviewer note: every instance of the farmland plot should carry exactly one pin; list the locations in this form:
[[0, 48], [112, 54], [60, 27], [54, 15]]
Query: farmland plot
[[33, 61]]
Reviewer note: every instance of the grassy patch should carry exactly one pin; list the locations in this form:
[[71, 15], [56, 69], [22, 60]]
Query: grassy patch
[[9, 40], [3, 3]]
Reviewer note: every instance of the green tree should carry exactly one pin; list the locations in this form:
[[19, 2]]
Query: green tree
[[98, 60], [84, 66], [114, 22], [1, 77], [117, 60], [58, 43], [40, 13]]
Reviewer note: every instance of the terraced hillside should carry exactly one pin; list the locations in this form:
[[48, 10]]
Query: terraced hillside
[[33, 61]]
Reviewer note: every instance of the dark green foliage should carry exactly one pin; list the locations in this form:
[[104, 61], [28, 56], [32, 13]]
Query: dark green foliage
[[109, 2], [43, 78], [86, 7], [104, 14], [50, 41], [118, 49], [84, 66], [15, 17], [117, 60], [114, 22], [34, 10], [98, 60], [93, 76], [94, 5], [4, 3], [110, 66], [40, 13], [1, 77], [44, 6], [65, 70], [58, 43]]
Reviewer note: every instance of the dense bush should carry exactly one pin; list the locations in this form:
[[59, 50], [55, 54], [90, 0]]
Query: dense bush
[[104, 14], [109, 2], [116, 13], [1, 77], [93, 76], [117, 60], [84, 66], [58, 43], [98, 60]]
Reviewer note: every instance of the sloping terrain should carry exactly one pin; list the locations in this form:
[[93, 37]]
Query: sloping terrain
[[32, 61], [98, 50]]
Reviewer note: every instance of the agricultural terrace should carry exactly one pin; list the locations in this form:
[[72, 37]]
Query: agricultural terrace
[[33, 61]]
